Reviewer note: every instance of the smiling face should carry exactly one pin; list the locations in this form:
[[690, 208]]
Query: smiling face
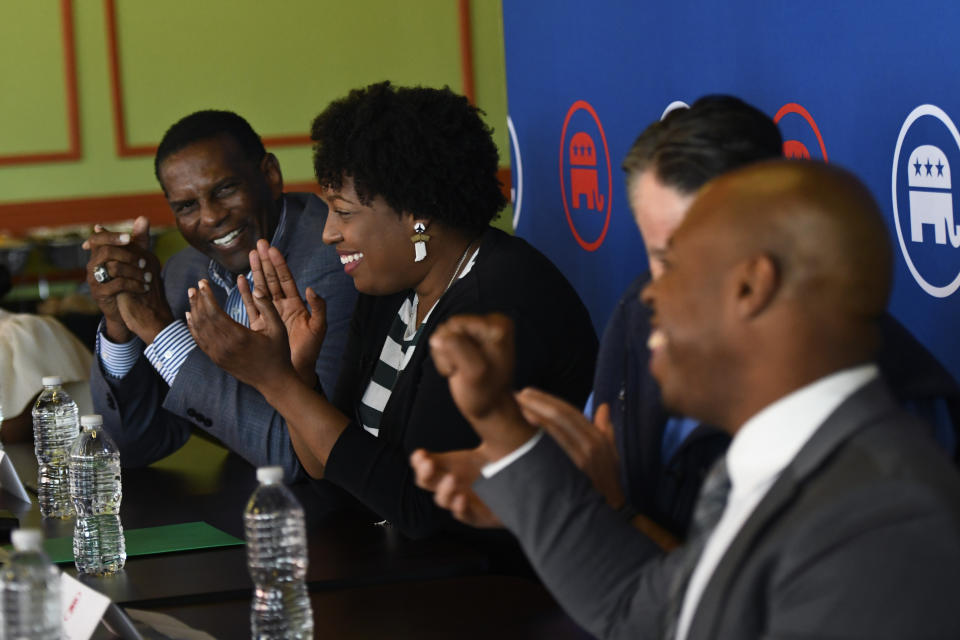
[[691, 351], [657, 209], [222, 201], [373, 242]]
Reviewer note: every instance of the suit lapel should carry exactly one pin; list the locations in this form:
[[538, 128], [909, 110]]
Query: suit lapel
[[294, 207], [856, 412]]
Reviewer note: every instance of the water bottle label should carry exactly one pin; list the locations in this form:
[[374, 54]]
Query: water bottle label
[[82, 608]]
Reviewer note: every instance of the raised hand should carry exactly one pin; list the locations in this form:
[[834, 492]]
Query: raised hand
[[476, 354], [260, 358], [131, 298], [590, 446], [305, 327], [450, 476]]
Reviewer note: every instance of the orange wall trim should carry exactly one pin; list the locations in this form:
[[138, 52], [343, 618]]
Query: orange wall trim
[[116, 90], [16, 218], [466, 50], [74, 150], [125, 149]]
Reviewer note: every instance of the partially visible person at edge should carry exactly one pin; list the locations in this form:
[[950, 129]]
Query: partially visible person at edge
[[409, 175], [33, 346], [149, 381]]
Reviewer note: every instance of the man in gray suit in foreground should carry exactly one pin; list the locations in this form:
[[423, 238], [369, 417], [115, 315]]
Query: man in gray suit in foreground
[[833, 515]]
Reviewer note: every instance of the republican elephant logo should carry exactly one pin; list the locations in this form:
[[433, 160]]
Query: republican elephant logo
[[922, 198], [931, 198], [586, 181], [797, 124], [583, 172], [795, 149]]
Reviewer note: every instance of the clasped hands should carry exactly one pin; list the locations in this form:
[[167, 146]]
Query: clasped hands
[[131, 297], [476, 354], [284, 337]]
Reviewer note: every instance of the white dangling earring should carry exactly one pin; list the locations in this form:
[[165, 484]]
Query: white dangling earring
[[419, 240]]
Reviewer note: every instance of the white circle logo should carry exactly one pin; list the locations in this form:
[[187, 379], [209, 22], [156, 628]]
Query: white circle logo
[[928, 200], [516, 190], [673, 106]]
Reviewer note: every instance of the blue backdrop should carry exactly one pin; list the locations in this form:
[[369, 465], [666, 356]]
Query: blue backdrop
[[873, 86]]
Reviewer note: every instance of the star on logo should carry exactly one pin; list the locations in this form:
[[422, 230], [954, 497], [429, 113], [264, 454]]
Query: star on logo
[[917, 166], [929, 167], [939, 168]]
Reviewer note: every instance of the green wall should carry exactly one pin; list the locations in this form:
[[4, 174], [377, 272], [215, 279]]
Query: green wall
[[278, 64]]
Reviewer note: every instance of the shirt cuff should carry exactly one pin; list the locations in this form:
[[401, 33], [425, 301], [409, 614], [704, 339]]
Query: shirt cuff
[[169, 350], [117, 358], [497, 466]]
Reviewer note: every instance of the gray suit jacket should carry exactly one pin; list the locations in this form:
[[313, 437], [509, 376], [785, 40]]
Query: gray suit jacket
[[858, 538], [149, 420]]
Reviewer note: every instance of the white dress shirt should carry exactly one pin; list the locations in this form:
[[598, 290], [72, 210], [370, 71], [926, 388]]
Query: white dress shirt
[[760, 451]]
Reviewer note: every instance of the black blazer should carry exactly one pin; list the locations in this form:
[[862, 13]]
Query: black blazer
[[556, 351]]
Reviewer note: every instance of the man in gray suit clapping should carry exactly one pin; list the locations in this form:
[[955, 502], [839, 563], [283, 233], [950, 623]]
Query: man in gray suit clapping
[[150, 382]]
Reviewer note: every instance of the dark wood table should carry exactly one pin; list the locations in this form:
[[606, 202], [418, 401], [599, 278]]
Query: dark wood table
[[468, 607], [365, 580]]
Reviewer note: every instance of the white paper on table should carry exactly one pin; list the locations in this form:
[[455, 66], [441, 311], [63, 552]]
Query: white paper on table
[[80, 607], [10, 481]]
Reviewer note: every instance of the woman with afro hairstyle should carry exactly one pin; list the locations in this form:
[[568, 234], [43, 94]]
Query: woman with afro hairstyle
[[410, 177]]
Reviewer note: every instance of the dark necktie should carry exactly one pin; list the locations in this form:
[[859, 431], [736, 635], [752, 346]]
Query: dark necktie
[[706, 514]]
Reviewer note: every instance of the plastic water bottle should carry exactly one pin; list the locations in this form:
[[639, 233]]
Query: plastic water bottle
[[29, 591], [54, 431], [277, 559], [98, 544]]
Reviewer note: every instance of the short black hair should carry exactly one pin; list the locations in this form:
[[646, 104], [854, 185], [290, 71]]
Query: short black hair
[[425, 151], [206, 124], [691, 146]]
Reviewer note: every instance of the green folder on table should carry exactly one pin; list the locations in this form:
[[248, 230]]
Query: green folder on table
[[150, 540]]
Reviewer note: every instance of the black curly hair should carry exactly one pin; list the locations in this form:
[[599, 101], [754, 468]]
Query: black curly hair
[[424, 151]]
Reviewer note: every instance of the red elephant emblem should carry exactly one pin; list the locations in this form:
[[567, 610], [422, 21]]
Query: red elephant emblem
[[583, 172]]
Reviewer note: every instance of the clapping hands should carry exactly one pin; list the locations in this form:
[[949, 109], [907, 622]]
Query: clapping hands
[[477, 356], [124, 278], [284, 337]]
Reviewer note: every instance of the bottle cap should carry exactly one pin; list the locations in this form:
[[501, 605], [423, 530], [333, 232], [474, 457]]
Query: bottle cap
[[91, 420], [267, 475], [50, 381], [26, 539]]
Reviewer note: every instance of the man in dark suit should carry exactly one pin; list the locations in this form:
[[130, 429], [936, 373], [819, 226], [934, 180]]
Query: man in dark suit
[[832, 515], [150, 382]]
